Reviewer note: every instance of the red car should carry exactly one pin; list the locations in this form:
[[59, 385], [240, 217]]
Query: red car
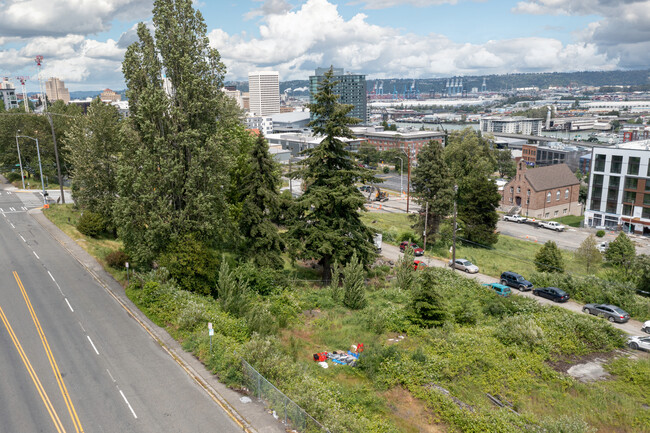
[[418, 264], [417, 251]]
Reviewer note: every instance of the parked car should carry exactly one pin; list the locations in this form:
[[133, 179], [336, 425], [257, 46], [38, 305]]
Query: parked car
[[515, 280], [417, 251], [418, 264], [639, 343], [552, 225], [365, 188], [610, 312], [646, 327], [499, 289], [552, 293], [464, 265], [602, 247], [514, 218]]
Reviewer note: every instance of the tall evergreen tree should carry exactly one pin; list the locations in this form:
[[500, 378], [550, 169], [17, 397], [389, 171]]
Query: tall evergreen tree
[[328, 225], [354, 286], [94, 146], [172, 173], [428, 307], [432, 186], [261, 240]]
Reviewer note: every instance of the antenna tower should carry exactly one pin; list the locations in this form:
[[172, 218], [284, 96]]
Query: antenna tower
[[41, 86], [22, 82]]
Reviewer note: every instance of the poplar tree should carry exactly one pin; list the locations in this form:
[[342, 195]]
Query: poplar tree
[[94, 146], [328, 224], [432, 186], [173, 169], [261, 240]]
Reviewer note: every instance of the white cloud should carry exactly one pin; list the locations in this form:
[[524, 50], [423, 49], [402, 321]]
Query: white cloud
[[297, 42], [269, 7], [622, 32], [28, 18], [384, 4]]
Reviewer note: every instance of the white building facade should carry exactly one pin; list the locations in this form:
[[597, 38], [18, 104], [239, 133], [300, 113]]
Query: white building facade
[[619, 188], [264, 92], [511, 125], [264, 124]]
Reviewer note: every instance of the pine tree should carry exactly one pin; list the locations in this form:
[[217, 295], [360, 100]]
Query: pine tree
[[261, 240], [173, 169], [428, 308], [328, 225], [621, 252], [432, 185], [94, 146], [233, 296], [549, 258], [354, 286], [404, 272], [588, 253]]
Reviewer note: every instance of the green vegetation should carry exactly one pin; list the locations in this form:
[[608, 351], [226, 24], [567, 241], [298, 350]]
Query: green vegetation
[[570, 220], [549, 258]]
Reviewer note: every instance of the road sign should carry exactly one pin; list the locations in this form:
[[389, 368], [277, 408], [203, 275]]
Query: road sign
[[209, 325], [211, 332]]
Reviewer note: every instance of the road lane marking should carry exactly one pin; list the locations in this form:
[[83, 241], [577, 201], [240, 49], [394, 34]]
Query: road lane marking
[[12, 225], [48, 351], [12, 209], [28, 365], [50, 274], [127, 403], [92, 344], [57, 284], [21, 237], [68, 302], [24, 208], [112, 378], [36, 255], [82, 326]]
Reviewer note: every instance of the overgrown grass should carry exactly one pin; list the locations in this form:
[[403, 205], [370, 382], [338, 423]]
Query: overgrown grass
[[66, 217]]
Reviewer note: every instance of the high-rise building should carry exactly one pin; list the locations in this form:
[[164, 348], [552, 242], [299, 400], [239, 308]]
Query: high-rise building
[[351, 89], [264, 92], [8, 94], [56, 90]]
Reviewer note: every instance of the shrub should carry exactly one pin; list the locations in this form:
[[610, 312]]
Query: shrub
[[91, 224], [600, 233], [233, 295], [549, 258], [386, 170], [260, 279], [520, 330], [405, 235], [13, 176], [116, 259], [192, 264]]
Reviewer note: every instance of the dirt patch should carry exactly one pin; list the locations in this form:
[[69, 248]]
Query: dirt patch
[[410, 414], [587, 368]]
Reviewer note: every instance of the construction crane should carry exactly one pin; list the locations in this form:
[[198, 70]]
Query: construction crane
[[39, 61], [22, 82]]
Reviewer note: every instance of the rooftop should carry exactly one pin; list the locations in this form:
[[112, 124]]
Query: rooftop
[[635, 145], [552, 176]]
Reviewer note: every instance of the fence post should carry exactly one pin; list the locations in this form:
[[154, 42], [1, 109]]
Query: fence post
[[285, 411], [259, 387]]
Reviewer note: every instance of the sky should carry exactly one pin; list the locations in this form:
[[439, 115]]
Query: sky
[[83, 41]]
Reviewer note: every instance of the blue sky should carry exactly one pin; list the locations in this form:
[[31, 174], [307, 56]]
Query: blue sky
[[83, 42]]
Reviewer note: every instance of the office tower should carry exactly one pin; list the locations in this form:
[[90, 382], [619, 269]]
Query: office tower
[[56, 90], [264, 92], [351, 89]]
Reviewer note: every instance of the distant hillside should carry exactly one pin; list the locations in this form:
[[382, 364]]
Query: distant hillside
[[497, 82]]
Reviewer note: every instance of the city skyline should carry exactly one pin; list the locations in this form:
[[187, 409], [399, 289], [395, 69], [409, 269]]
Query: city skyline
[[84, 45]]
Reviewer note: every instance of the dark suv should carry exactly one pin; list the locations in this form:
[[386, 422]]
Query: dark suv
[[515, 280]]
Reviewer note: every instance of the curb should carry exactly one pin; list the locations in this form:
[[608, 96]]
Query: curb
[[150, 328]]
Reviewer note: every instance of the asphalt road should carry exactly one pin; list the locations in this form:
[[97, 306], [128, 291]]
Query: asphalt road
[[72, 358], [391, 252]]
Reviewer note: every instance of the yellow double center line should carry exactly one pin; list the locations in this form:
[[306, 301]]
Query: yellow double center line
[[50, 357]]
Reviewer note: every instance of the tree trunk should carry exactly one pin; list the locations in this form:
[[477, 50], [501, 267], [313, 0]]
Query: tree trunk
[[326, 263]]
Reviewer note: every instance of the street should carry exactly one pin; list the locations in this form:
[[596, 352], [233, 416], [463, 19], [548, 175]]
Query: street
[[391, 252], [73, 358]]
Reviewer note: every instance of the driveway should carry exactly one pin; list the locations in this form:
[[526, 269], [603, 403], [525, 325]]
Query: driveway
[[391, 252]]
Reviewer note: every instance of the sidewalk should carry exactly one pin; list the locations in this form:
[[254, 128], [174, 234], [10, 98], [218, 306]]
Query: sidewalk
[[252, 417]]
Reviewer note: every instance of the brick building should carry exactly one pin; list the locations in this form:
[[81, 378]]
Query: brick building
[[388, 140], [543, 192]]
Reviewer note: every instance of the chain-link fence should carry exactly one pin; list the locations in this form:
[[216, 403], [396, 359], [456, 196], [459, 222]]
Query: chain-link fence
[[292, 415]]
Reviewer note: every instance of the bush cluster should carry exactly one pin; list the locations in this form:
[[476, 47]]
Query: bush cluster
[[91, 224], [13, 176], [116, 259]]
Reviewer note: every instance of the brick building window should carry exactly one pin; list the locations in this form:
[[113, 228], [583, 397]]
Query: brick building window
[[548, 197], [566, 193], [557, 195], [528, 193], [518, 189]]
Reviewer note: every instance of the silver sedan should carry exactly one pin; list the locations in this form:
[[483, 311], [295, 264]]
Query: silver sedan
[[464, 265]]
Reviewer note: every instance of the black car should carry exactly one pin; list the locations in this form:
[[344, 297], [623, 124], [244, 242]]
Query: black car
[[516, 281], [552, 293]]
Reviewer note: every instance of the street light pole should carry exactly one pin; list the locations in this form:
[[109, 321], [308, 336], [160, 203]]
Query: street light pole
[[401, 176], [40, 166], [56, 155], [20, 161]]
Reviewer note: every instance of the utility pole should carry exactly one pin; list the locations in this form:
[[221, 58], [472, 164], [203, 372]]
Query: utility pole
[[426, 219], [56, 156], [408, 182], [22, 177], [453, 247]]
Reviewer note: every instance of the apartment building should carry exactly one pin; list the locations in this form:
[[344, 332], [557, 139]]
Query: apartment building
[[511, 125], [351, 89], [619, 187]]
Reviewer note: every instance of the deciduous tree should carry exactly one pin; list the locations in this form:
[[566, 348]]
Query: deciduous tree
[[588, 253], [621, 252]]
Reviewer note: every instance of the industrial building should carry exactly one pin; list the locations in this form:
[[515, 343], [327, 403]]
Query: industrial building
[[351, 89], [297, 142], [512, 125], [264, 92], [387, 140], [545, 154]]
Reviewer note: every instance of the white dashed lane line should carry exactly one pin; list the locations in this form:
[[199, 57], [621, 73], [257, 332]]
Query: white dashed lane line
[[92, 344]]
